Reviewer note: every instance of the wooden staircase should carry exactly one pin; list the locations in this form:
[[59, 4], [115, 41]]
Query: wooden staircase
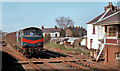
[[100, 52]]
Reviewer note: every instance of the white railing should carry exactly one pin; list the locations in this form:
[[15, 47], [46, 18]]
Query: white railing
[[101, 49], [106, 43]]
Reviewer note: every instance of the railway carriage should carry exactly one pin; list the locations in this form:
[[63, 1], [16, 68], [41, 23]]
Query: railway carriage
[[28, 41]]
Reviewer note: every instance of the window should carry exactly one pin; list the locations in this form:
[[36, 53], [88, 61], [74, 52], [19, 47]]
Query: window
[[79, 44], [33, 32], [112, 31], [117, 55], [93, 29], [38, 32], [55, 35], [26, 32], [91, 40]]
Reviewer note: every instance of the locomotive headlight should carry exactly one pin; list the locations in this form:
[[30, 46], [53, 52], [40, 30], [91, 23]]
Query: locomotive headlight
[[39, 44], [25, 45]]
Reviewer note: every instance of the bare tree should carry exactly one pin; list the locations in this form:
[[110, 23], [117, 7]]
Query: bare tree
[[64, 22]]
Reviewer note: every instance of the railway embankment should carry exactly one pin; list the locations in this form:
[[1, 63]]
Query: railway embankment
[[62, 49]]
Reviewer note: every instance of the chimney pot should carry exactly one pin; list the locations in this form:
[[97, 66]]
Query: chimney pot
[[69, 26], [108, 3], [55, 27], [42, 27]]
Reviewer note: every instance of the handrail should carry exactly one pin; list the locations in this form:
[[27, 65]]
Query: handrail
[[102, 46], [101, 49]]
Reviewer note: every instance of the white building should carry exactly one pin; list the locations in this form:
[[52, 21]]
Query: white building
[[84, 41], [95, 34], [53, 32], [93, 38]]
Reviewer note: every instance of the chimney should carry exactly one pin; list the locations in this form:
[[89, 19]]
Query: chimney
[[55, 27], [42, 27], [81, 27], [73, 26], [110, 6], [109, 3], [69, 26]]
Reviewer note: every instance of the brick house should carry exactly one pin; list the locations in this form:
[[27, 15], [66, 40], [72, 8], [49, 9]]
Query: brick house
[[75, 32], [53, 32], [96, 34], [112, 37]]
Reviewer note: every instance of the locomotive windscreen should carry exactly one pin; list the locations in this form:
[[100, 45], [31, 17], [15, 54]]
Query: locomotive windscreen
[[32, 32]]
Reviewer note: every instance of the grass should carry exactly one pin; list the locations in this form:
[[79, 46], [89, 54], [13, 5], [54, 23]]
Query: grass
[[62, 47], [56, 46]]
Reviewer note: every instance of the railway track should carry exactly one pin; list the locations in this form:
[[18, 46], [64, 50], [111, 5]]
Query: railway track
[[63, 60], [73, 63], [10, 50], [29, 62], [81, 64], [55, 60], [53, 54]]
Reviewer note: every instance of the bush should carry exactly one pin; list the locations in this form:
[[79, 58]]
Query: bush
[[47, 39]]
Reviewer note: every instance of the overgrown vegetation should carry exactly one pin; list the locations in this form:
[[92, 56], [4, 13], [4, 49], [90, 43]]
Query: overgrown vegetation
[[47, 38], [62, 47]]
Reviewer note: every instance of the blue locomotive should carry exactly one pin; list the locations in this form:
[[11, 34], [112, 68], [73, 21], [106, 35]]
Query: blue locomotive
[[29, 41]]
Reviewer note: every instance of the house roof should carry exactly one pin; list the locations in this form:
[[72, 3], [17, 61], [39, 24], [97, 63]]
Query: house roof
[[51, 30], [76, 30], [101, 16], [109, 13], [109, 20], [95, 19]]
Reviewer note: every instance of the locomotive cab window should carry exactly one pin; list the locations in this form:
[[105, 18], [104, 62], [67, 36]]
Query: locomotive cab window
[[32, 32], [39, 33], [27, 32]]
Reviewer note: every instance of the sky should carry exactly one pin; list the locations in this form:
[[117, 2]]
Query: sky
[[19, 15]]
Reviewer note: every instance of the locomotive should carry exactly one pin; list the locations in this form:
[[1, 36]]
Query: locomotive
[[29, 41]]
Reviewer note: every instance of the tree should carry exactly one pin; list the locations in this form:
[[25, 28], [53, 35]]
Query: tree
[[64, 23]]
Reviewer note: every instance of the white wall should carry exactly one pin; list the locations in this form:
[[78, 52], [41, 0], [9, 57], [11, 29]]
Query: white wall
[[53, 34], [83, 42], [99, 34]]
